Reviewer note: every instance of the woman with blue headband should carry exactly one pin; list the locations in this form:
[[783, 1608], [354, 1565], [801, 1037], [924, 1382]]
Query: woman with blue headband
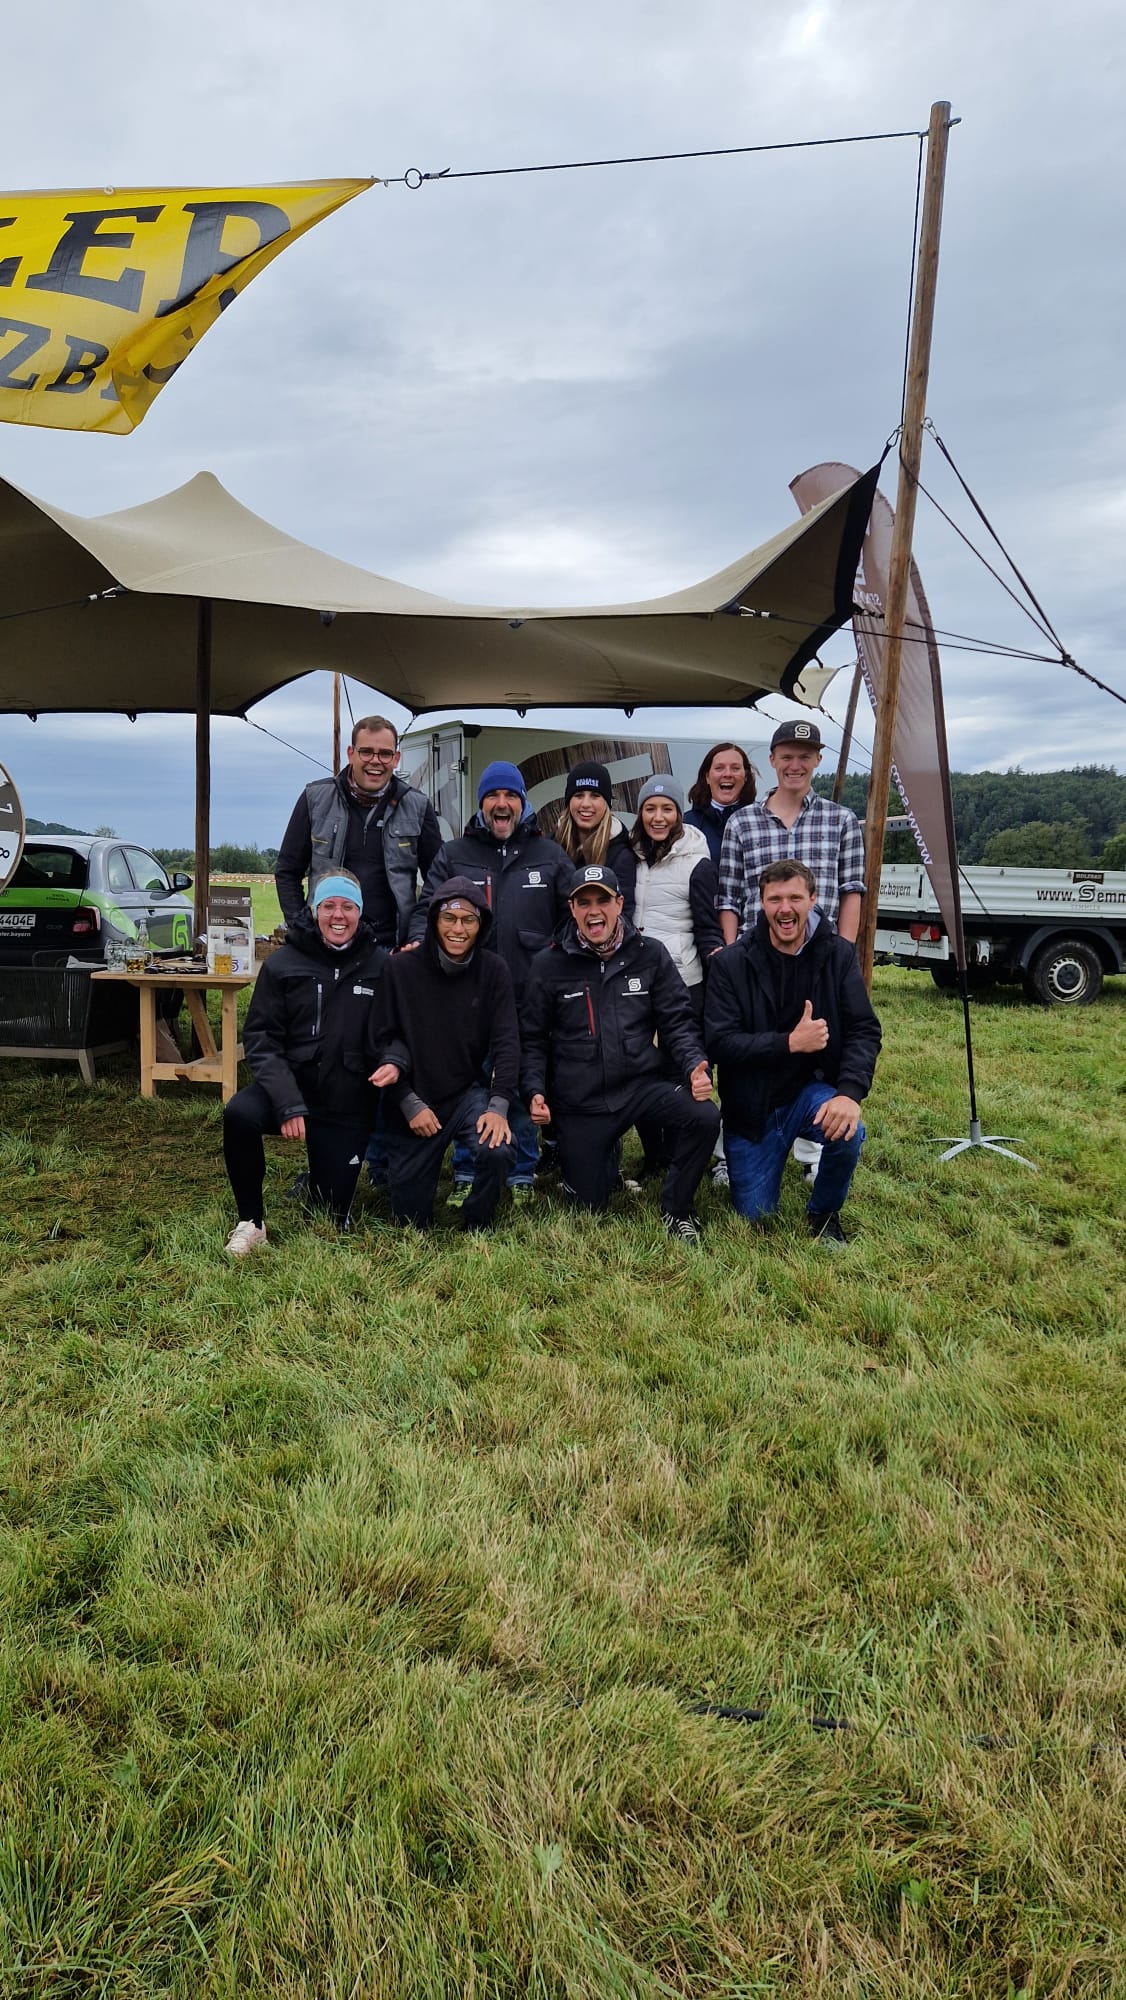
[[312, 1038]]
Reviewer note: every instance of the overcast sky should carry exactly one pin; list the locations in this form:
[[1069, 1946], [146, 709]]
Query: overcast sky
[[596, 386]]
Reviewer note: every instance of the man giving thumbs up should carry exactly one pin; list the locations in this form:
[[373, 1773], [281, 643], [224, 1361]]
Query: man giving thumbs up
[[790, 1027]]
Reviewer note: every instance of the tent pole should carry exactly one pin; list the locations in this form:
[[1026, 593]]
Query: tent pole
[[899, 564], [846, 739], [202, 763], [335, 724]]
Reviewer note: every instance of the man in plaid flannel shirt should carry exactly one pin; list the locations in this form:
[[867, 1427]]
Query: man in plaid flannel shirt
[[792, 823]]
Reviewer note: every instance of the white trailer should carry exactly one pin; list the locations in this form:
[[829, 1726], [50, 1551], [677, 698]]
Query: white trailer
[[446, 761], [1059, 931]]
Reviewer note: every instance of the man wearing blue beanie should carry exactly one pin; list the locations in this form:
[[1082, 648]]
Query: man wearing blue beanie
[[524, 877]]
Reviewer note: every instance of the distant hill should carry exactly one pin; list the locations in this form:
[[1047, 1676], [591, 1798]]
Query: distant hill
[[1088, 803], [51, 826]]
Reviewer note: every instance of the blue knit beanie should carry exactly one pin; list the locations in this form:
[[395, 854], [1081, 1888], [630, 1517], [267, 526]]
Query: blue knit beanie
[[501, 778], [338, 885]]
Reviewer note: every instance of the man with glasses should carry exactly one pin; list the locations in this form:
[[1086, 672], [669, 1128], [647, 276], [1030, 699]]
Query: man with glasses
[[450, 1012], [368, 822]]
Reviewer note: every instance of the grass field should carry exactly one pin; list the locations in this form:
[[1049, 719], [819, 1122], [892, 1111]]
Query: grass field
[[361, 1601]]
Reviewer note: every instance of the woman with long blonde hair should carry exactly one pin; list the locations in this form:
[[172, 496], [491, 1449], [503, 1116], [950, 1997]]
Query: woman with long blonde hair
[[589, 832]]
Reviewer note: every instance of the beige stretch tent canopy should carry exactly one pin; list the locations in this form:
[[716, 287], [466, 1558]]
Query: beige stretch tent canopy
[[192, 603]]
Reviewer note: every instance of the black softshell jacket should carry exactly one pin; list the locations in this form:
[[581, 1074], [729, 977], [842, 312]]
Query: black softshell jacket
[[314, 1028], [587, 1024]]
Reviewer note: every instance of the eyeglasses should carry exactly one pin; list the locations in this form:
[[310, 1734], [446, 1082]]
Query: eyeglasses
[[458, 917], [375, 756]]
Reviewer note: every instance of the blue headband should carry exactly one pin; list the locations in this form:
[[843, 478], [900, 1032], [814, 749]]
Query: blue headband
[[337, 885]]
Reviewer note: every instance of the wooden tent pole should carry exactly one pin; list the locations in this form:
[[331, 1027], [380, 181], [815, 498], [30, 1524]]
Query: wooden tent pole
[[846, 739], [899, 563], [202, 763], [335, 724]]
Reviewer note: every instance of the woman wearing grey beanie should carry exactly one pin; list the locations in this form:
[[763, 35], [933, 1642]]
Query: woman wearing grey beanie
[[674, 902]]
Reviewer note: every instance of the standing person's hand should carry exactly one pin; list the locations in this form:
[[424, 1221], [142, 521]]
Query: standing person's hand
[[538, 1110], [386, 1074], [700, 1080], [425, 1123], [293, 1128]]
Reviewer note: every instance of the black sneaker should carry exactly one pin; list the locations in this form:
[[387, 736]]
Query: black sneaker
[[298, 1189], [826, 1227], [681, 1228]]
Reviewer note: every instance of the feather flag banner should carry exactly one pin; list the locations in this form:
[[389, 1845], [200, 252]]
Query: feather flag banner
[[105, 293]]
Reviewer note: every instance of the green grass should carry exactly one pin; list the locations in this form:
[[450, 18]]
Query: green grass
[[358, 1600]]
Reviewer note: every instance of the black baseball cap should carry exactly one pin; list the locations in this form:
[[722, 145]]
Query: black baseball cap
[[593, 877], [805, 733]]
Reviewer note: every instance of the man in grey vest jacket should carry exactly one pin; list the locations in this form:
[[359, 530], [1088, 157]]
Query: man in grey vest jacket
[[368, 822]]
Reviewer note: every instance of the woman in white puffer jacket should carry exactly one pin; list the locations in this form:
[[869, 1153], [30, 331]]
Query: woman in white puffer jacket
[[674, 901]]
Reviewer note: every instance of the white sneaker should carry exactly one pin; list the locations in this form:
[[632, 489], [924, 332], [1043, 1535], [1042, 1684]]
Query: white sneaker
[[245, 1237]]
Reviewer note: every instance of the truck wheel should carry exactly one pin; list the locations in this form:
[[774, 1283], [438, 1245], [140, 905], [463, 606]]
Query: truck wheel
[[1066, 973], [979, 978]]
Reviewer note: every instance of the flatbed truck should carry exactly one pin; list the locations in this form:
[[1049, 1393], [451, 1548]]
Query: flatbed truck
[[1057, 931]]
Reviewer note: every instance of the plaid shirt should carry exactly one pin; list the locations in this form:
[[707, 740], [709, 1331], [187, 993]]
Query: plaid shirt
[[827, 837]]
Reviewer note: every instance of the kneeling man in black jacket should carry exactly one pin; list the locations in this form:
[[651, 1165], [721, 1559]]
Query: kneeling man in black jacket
[[593, 1003], [311, 1037], [450, 1007], [790, 1027]]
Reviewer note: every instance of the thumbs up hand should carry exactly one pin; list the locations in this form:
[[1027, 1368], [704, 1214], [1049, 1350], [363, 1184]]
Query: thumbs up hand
[[809, 1035]]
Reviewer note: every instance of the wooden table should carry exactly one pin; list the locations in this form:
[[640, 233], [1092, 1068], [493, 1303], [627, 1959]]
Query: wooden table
[[217, 1064]]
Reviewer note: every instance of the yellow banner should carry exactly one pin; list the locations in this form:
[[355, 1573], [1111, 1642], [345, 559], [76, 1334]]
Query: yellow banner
[[104, 293]]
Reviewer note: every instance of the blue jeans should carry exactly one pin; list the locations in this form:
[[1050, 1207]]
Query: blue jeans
[[756, 1165], [525, 1138]]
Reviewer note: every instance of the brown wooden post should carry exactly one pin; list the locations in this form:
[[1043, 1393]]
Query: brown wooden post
[[899, 564], [202, 764], [846, 739], [335, 724]]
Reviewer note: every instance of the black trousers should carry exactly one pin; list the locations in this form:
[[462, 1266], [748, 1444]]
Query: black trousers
[[588, 1159], [414, 1164], [656, 1144], [335, 1149]]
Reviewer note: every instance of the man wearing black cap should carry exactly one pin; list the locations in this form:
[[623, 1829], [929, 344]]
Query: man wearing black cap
[[523, 877], [593, 1004], [792, 823]]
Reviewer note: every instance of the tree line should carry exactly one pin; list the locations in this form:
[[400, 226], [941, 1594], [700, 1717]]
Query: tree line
[[1020, 819], [1013, 819], [226, 859]]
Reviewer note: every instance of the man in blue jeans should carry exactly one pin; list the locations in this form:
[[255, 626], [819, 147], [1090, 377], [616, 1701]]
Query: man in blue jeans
[[790, 1027]]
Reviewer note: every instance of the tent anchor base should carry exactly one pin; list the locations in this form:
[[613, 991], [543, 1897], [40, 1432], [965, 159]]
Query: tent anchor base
[[996, 1144]]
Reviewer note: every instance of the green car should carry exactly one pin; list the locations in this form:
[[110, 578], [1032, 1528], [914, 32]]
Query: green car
[[72, 894]]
